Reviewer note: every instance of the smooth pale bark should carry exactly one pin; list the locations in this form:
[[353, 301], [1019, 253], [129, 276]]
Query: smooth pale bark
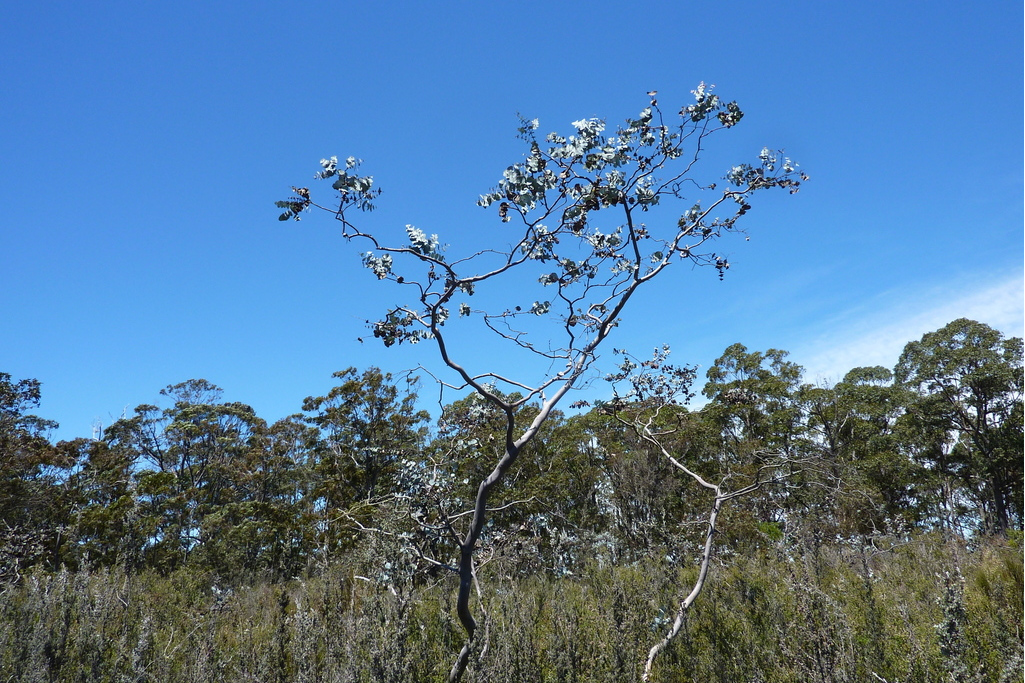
[[553, 194], [706, 553], [699, 584], [468, 545]]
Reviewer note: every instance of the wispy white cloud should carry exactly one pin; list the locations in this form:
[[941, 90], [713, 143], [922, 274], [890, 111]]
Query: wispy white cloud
[[876, 334]]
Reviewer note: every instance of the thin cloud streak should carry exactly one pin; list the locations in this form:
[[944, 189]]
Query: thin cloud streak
[[858, 339]]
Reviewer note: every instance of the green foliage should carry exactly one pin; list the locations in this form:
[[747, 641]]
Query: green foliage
[[366, 428], [791, 615], [968, 415], [196, 542], [109, 529], [34, 503], [577, 202], [753, 402], [856, 425]]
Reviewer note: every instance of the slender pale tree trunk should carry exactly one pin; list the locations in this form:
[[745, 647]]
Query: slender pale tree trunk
[[699, 584], [468, 545], [720, 498], [463, 610]]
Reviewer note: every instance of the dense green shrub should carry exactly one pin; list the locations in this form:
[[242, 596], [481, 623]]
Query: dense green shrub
[[929, 610]]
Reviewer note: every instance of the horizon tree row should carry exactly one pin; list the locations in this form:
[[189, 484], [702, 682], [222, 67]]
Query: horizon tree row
[[934, 444]]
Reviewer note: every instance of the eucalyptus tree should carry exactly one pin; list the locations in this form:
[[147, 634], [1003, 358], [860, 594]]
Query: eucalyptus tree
[[200, 481], [856, 426], [571, 251], [968, 382], [265, 525], [366, 427], [32, 474], [653, 407], [192, 458], [754, 408], [752, 397], [106, 529]]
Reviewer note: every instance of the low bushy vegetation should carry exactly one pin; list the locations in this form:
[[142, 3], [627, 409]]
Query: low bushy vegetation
[[925, 610], [198, 543]]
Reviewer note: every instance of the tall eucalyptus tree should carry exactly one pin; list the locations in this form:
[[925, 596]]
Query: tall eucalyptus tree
[[573, 251], [968, 379]]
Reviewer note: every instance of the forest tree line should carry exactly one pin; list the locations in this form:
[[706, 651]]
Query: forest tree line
[[312, 548], [934, 443]]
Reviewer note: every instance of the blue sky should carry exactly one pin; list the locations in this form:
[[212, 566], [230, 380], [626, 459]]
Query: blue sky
[[143, 146]]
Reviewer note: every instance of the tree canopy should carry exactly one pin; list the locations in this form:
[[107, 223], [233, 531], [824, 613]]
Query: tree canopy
[[362, 478]]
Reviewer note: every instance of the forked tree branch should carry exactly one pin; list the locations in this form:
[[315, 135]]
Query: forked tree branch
[[557, 193], [720, 497]]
